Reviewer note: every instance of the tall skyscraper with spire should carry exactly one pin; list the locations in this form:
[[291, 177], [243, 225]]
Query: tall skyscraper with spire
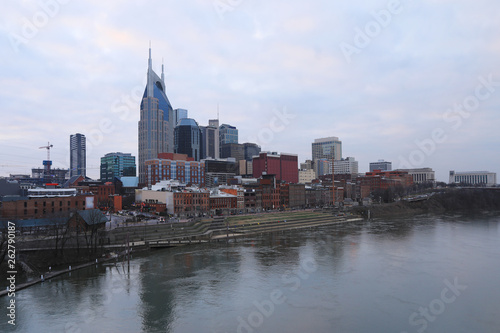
[[157, 120]]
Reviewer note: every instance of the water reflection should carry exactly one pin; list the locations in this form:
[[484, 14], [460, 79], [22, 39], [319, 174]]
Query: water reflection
[[360, 277]]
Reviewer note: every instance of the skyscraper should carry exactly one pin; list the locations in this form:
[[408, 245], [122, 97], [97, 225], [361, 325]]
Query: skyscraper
[[117, 165], [327, 148], [179, 114], [210, 139], [77, 148], [227, 134], [157, 120], [188, 138], [251, 150]]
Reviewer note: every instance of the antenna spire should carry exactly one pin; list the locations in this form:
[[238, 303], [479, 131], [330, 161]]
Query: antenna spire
[[150, 62], [162, 72]]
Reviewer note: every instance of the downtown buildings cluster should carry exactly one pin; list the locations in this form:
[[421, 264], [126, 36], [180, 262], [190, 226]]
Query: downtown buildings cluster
[[184, 168]]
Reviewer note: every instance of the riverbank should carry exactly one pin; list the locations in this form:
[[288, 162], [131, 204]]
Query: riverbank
[[437, 202], [147, 237]]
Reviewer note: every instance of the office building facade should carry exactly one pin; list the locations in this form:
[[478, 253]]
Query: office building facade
[[179, 114], [380, 165], [157, 120], [227, 134], [78, 158], [188, 138], [210, 139], [234, 150], [327, 148], [117, 165], [284, 166], [251, 150], [176, 167]]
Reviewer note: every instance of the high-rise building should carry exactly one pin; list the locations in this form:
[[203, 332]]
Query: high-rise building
[[117, 165], [327, 148], [78, 159], [251, 150], [210, 139], [157, 120], [179, 114], [380, 165], [188, 138], [284, 166], [234, 150], [227, 134]]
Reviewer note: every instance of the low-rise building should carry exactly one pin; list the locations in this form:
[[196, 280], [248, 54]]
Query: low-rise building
[[306, 176], [484, 178], [421, 175]]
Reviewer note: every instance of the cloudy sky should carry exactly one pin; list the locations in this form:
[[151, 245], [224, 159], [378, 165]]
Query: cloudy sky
[[412, 82]]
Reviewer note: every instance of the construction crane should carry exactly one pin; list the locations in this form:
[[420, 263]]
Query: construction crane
[[48, 146]]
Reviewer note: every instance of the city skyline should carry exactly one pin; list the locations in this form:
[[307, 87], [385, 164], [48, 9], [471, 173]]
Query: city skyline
[[416, 83]]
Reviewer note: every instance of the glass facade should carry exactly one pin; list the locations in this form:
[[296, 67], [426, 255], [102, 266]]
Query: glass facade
[[227, 134], [188, 138], [117, 165], [156, 124], [78, 160]]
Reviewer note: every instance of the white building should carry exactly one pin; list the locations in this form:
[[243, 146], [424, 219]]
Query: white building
[[347, 165], [473, 178], [306, 176], [421, 175], [343, 166]]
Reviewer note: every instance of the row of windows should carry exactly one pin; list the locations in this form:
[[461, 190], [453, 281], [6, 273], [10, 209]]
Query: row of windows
[[53, 203], [44, 210]]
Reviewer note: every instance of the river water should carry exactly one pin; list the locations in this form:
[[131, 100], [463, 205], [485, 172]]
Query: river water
[[418, 274]]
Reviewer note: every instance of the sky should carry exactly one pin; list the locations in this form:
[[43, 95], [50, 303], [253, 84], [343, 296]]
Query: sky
[[416, 83]]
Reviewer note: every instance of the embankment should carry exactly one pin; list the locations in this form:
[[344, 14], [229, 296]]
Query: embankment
[[440, 202]]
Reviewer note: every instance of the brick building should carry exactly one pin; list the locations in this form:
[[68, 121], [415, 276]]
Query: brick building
[[175, 166], [283, 166], [31, 208]]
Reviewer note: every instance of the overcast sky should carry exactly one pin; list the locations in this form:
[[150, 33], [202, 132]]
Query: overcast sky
[[416, 83]]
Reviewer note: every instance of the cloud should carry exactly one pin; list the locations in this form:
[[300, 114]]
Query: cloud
[[261, 56]]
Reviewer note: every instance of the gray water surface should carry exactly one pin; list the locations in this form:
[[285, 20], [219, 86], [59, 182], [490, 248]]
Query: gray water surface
[[422, 274]]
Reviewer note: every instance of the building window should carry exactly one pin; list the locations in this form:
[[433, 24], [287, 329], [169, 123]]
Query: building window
[[25, 212], [52, 204], [44, 204], [69, 203], [25, 205]]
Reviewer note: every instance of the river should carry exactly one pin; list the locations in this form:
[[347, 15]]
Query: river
[[417, 274]]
